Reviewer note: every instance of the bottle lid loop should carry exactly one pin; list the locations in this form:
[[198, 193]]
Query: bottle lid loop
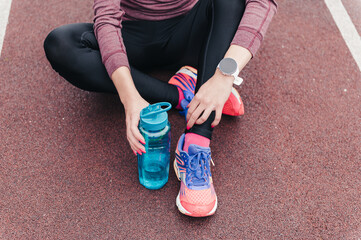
[[155, 109], [155, 117]]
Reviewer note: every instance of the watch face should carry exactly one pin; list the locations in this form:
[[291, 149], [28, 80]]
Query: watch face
[[228, 66]]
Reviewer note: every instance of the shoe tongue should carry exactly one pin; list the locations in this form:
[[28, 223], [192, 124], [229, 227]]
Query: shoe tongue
[[194, 149], [198, 179]]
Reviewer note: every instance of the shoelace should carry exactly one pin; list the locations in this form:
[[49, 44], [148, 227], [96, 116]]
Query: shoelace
[[188, 96], [199, 169]]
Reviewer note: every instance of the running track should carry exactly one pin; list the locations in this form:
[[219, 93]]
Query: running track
[[289, 169]]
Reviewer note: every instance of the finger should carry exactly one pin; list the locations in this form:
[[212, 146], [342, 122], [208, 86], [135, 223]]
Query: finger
[[134, 149], [218, 117], [204, 116], [133, 142], [191, 107], [137, 135], [138, 146], [134, 131], [195, 115]]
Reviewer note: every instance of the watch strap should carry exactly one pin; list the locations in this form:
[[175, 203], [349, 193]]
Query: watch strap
[[237, 80]]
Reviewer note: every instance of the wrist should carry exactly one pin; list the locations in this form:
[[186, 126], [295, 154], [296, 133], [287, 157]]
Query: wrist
[[228, 80], [129, 99], [124, 84]]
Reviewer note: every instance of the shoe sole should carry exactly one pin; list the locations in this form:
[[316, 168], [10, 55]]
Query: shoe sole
[[179, 205]]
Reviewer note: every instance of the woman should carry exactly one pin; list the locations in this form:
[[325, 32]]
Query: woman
[[128, 38]]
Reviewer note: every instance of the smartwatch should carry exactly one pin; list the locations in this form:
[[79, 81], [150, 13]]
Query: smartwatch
[[229, 67]]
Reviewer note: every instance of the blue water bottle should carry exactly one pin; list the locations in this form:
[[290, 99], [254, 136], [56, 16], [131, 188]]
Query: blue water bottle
[[153, 166]]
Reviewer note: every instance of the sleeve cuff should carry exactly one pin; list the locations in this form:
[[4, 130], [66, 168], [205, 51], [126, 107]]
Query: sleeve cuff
[[116, 61], [248, 40]]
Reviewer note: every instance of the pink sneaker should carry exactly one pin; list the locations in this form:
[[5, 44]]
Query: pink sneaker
[[185, 79], [196, 197]]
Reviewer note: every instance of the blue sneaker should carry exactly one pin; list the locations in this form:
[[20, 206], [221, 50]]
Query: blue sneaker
[[185, 79]]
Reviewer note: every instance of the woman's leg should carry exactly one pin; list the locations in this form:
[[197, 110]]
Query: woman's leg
[[73, 52], [210, 26], [214, 24], [226, 16]]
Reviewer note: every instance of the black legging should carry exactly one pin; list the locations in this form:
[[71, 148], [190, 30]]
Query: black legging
[[199, 38]]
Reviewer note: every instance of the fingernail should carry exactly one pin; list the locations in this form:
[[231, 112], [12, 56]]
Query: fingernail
[[139, 152], [212, 126], [135, 153], [142, 150], [188, 128], [142, 141]]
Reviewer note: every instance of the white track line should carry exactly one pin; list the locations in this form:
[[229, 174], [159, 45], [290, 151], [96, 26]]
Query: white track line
[[347, 28], [4, 15]]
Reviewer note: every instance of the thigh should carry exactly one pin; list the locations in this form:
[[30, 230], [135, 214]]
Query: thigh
[[146, 42], [186, 42], [60, 43]]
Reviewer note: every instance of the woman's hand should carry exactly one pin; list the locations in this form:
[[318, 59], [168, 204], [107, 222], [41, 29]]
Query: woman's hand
[[214, 93], [211, 96], [132, 116]]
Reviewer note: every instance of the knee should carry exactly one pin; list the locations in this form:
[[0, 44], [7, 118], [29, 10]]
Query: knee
[[51, 44], [56, 47]]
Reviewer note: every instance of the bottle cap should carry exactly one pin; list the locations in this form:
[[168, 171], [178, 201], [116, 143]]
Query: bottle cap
[[155, 117]]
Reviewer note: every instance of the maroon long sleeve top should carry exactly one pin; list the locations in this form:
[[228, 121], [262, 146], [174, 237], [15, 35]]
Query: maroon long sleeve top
[[108, 16]]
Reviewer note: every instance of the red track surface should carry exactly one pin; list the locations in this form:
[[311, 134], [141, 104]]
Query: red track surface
[[289, 169]]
